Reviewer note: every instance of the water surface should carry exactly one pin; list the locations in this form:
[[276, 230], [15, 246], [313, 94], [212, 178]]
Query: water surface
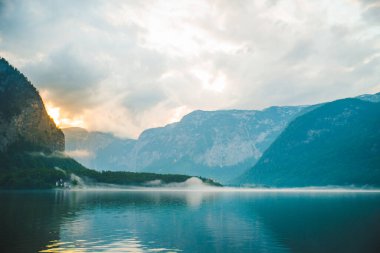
[[123, 221]]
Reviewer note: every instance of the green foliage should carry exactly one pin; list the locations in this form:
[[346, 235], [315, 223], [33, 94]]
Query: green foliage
[[15, 90], [26, 170], [41, 178]]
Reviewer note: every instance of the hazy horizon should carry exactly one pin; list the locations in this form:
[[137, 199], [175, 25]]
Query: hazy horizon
[[179, 119]]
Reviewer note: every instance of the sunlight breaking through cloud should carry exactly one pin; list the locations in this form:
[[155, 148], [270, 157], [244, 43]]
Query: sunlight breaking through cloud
[[127, 66]]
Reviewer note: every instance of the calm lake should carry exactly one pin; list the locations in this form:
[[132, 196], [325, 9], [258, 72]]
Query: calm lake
[[122, 221]]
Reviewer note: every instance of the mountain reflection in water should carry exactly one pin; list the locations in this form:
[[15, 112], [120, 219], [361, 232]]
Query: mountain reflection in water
[[96, 221]]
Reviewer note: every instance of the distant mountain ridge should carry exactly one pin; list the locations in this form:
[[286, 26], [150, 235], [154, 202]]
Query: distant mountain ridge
[[218, 144], [370, 97], [90, 148], [338, 143], [335, 143]]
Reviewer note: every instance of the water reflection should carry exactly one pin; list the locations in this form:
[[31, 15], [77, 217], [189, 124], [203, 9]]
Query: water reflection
[[69, 221], [124, 245]]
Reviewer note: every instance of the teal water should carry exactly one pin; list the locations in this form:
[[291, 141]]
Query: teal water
[[69, 221]]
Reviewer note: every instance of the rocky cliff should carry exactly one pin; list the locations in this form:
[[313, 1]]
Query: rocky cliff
[[217, 144], [23, 118]]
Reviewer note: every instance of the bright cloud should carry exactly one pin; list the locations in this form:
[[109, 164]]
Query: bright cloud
[[123, 66]]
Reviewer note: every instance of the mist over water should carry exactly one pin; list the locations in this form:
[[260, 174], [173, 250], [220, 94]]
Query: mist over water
[[189, 221]]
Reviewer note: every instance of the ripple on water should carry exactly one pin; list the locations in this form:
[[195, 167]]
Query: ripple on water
[[125, 245]]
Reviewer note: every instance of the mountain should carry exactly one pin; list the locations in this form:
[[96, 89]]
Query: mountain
[[96, 150], [337, 143], [218, 144], [23, 118], [31, 145], [370, 97]]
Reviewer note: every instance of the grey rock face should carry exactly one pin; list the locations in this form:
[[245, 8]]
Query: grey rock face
[[217, 144], [96, 150]]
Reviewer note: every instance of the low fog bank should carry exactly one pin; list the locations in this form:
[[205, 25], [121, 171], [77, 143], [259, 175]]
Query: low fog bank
[[260, 190], [191, 184], [195, 184]]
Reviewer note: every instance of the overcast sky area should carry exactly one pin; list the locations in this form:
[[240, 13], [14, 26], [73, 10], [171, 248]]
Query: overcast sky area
[[124, 66]]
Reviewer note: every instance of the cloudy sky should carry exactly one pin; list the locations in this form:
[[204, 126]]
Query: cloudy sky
[[124, 66]]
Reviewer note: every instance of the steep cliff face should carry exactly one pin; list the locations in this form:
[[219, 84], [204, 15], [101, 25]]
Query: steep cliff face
[[23, 118]]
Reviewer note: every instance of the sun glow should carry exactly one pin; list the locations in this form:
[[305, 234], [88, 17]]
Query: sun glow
[[54, 113], [60, 119]]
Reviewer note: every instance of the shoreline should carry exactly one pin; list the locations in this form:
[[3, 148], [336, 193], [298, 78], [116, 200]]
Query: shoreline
[[202, 189]]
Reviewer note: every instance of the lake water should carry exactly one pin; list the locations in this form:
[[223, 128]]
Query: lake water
[[95, 221]]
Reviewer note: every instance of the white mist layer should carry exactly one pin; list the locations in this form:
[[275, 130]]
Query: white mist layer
[[79, 180], [60, 170], [191, 184], [195, 184]]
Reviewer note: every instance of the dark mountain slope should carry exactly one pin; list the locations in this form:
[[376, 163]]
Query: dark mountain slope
[[23, 118], [336, 144]]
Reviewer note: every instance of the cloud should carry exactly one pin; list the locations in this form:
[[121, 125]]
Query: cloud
[[79, 153], [123, 66], [372, 14], [68, 77]]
